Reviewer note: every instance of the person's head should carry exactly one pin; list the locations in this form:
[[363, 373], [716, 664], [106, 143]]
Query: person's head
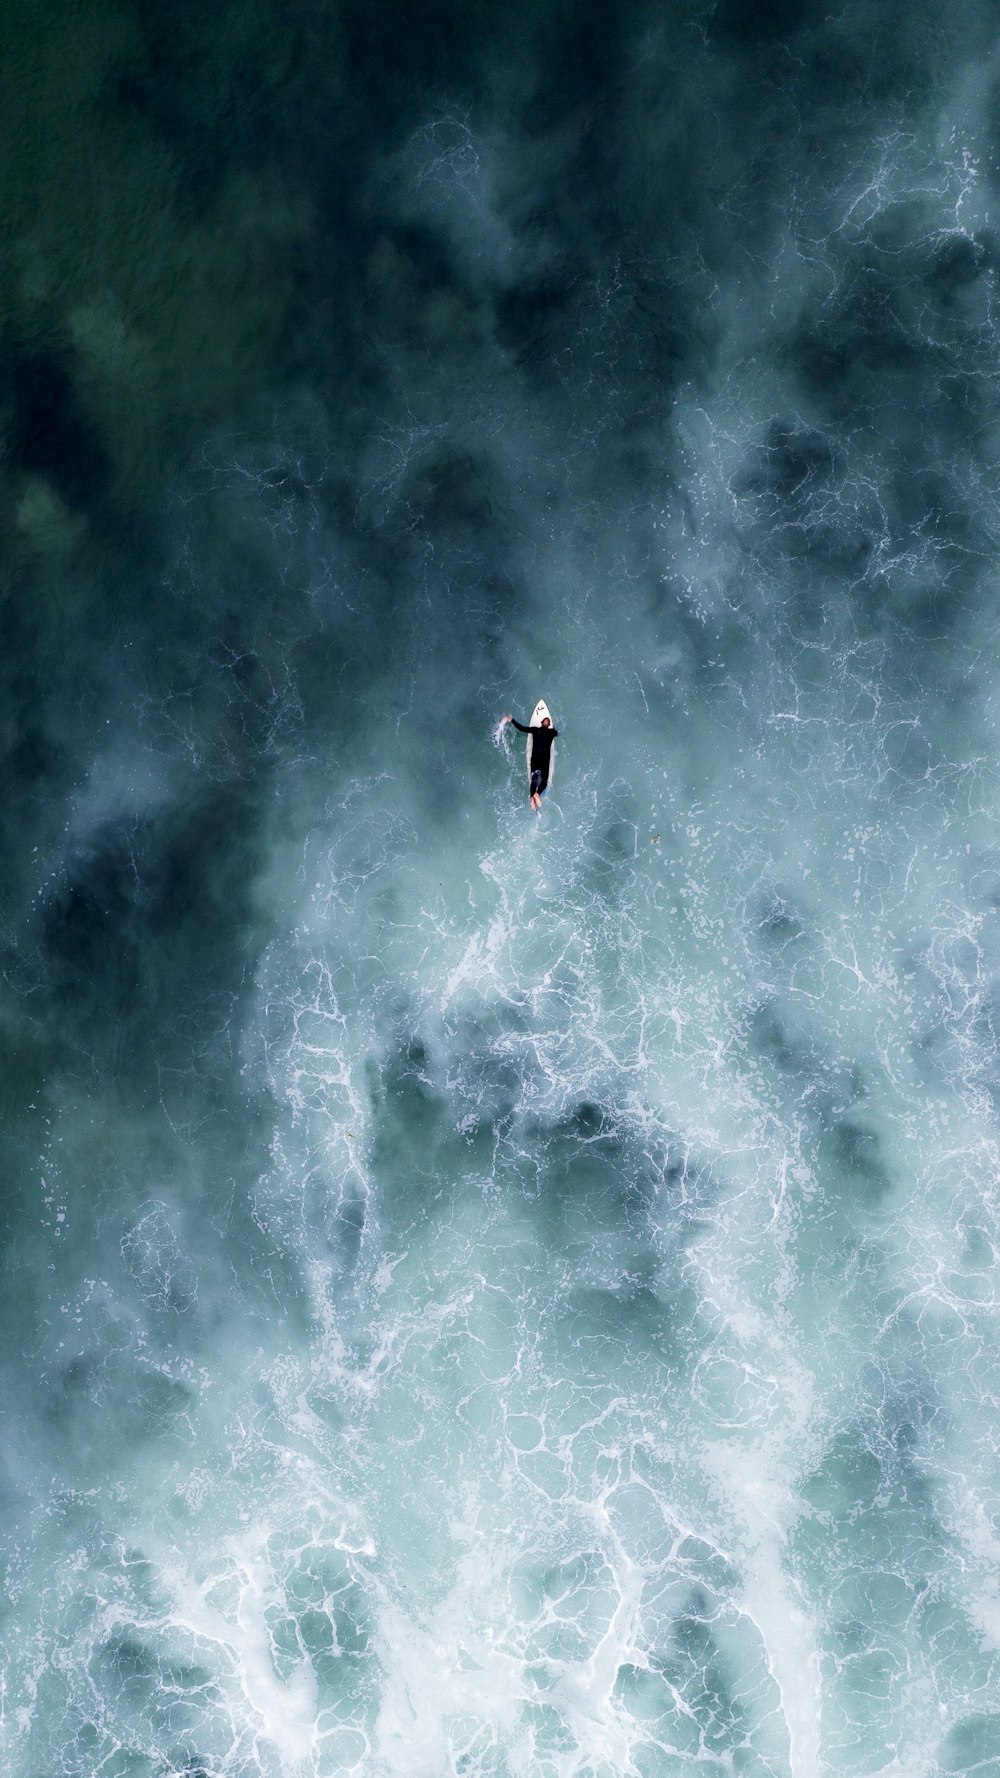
[[546, 722]]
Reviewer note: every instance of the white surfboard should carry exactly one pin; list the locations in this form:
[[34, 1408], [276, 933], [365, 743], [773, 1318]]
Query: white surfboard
[[535, 721]]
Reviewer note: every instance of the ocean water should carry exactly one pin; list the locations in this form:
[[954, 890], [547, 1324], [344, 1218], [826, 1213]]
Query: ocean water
[[488, 1296]]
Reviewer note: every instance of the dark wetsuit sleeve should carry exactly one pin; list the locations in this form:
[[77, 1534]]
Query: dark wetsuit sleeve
[[551, 732]]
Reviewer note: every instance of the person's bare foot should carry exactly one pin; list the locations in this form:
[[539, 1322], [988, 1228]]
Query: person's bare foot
[[536, 803]]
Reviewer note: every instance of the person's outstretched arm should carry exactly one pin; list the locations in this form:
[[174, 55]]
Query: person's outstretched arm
[[519, 725]]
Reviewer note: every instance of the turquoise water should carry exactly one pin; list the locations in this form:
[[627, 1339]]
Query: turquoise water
[[490, 1295]]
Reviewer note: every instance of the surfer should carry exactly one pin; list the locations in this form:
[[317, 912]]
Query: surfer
[[542, 738]]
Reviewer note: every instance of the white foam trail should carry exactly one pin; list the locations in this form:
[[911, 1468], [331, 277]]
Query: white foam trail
[[286, 1711], [435, 1678], [479, 960], [757, 1480]]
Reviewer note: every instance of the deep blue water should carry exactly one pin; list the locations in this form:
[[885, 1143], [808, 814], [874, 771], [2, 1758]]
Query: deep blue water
[[488, 1296]]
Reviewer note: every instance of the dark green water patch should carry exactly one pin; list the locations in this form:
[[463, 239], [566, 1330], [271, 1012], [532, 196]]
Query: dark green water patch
[[49, 431]]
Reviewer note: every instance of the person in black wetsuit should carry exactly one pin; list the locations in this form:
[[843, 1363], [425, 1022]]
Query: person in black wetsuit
[[542, 738]]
